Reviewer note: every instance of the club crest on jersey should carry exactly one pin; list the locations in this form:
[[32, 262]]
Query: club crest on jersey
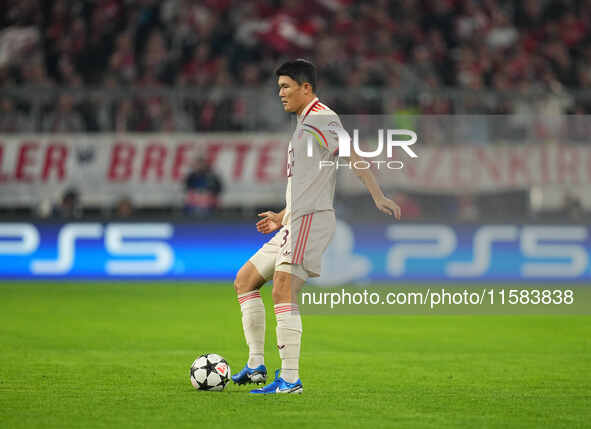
[[332, 125]]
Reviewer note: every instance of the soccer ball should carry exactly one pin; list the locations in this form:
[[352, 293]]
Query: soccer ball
[[210, 372]]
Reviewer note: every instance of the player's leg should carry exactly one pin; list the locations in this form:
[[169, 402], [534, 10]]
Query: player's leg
[[250, 278], [286, 286], [297, 260], [247, 284]]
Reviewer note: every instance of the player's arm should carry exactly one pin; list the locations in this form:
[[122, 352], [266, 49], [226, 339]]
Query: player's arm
[[324, 122], [384, 204], [270, 221]]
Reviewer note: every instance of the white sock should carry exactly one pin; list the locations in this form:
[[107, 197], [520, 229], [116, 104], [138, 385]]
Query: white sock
[[253, 322], [289, 337]]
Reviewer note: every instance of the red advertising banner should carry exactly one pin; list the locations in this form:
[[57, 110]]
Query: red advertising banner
[[151, 169]]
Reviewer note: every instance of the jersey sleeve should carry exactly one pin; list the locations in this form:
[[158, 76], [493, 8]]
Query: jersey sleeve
[[318, 127]]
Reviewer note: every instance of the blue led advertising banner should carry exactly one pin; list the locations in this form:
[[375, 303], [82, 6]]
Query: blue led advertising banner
[[359, 252]]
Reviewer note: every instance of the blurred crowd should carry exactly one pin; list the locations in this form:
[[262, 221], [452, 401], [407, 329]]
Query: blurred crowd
[[203, 65]]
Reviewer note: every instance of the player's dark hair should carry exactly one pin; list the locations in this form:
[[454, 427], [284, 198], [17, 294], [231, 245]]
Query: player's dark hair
[[299, 70]]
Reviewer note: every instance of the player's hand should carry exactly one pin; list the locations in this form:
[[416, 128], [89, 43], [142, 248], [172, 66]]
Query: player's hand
[[270, 222], [386, 205]]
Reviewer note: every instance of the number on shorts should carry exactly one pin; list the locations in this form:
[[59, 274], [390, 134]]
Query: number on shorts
[[284, 238]]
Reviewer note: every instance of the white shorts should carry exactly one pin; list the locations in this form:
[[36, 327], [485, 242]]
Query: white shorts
[[297, 247]]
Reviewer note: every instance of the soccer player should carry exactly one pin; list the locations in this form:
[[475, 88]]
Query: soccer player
[[305, 227]]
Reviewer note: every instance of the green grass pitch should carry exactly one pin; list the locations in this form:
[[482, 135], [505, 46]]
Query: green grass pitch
[[118, 355]]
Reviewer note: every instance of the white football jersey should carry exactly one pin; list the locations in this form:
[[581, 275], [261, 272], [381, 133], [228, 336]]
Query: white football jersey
[[310, 187]]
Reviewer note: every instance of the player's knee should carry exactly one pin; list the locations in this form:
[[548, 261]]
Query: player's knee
[[237, 285], [244, 282], [281, 288], [240, 283]]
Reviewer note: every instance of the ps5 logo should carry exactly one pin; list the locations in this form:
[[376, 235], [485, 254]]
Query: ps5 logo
[[129, 243], [549, 251]]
